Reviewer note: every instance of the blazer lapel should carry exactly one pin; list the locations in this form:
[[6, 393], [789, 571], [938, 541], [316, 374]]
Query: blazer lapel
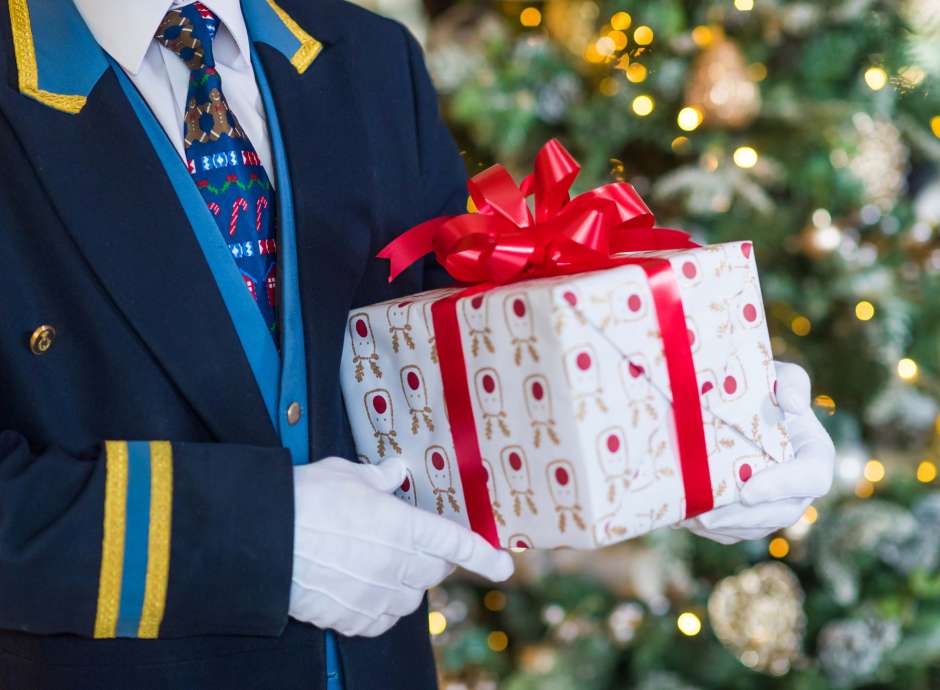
[[114, 197], [322, 127]]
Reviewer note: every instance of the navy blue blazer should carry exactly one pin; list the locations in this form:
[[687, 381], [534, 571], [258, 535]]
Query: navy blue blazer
[[145, 367]]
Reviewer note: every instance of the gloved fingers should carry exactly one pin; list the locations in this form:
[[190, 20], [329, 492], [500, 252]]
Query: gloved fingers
[[771, 516], [421, 572], [793, 387], [439, 537], [700, 531], [808, 475], [385, 477], [358, 590], [376, 628]]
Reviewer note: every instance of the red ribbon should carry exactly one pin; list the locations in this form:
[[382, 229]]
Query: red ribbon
[[504, 243]]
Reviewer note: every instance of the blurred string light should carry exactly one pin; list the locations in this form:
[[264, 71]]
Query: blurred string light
[[643, 35], [530, 16], [874, 471], [745, 157], [702, 36], [907, 369], [605, 46], [926, 471], [800, 325], [494, 600], [437, 623], [826, 403], [608, 86], [876, 78], [619, 38], [636, 72], [497, 641], [810, 516], [689, 118], [744, 5], [864, 310], [643, 105], [779, 547], [757, 71], [864, 489], [679, 143], [935, 125], [689, 624], [621, 21]]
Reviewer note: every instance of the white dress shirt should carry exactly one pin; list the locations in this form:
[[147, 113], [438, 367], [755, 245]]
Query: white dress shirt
[[125, 30]]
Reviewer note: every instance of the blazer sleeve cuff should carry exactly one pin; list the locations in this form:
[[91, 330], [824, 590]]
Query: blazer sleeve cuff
[[197, 539]]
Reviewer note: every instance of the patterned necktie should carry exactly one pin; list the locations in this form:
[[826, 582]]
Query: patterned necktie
[[222, 161]]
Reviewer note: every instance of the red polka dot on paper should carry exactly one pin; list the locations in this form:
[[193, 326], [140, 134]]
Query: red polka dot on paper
[[406, 485], [730, 384], [635, 370], [489, 383], [750, 312], [745, 472], [413, 380], [691, 336], [613, 443], [538, 390], [570, 298], [634, 303], [746, 250], [515, 461], [476, 302], [561, 476], [707, 386], [402, 305], [379, 404], [437, 460], [583, 360], [361, 329], [520, 544], [689, 270], [518, 308]]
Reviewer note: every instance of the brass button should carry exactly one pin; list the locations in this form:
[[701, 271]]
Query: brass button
[[41, 339], [293, 413]]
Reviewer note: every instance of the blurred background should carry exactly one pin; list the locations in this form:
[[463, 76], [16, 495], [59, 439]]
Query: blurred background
[[813, 129]]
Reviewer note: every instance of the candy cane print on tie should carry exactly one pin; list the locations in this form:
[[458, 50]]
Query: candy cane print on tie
[[239, 205], [260, 204], [215, 208]]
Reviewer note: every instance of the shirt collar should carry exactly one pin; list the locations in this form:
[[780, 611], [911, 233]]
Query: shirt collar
[[125, 29]]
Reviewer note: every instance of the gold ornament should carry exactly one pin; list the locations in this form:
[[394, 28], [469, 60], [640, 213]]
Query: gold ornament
[[879, 161], [758, 616], [721, 87]]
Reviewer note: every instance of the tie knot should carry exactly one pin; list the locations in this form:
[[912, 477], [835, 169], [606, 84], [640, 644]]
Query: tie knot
[[188, 31]]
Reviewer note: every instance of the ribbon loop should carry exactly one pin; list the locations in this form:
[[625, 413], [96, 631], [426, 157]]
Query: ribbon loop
[[502, 242]]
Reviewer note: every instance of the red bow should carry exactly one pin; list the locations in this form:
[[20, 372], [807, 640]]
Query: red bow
[[502, 242]]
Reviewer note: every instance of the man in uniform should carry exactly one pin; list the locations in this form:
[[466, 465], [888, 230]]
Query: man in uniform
[[194, 194]]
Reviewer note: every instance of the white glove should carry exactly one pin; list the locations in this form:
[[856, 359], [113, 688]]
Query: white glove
[[363, 558], [779, 495]]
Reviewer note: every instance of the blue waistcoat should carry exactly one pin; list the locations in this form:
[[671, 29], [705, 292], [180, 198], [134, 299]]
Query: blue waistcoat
[[146, 499]]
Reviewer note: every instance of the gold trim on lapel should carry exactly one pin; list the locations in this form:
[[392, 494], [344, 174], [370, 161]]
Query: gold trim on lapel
[[26, 66], [309, 46]]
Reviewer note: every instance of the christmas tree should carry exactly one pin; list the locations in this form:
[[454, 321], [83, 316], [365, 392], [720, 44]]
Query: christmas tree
[[812, 129]]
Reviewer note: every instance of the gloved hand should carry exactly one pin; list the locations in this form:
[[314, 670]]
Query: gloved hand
[[779, 495], [363, 558]]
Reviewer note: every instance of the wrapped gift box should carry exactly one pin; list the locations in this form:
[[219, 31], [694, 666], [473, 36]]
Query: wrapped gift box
[[570, 397]]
